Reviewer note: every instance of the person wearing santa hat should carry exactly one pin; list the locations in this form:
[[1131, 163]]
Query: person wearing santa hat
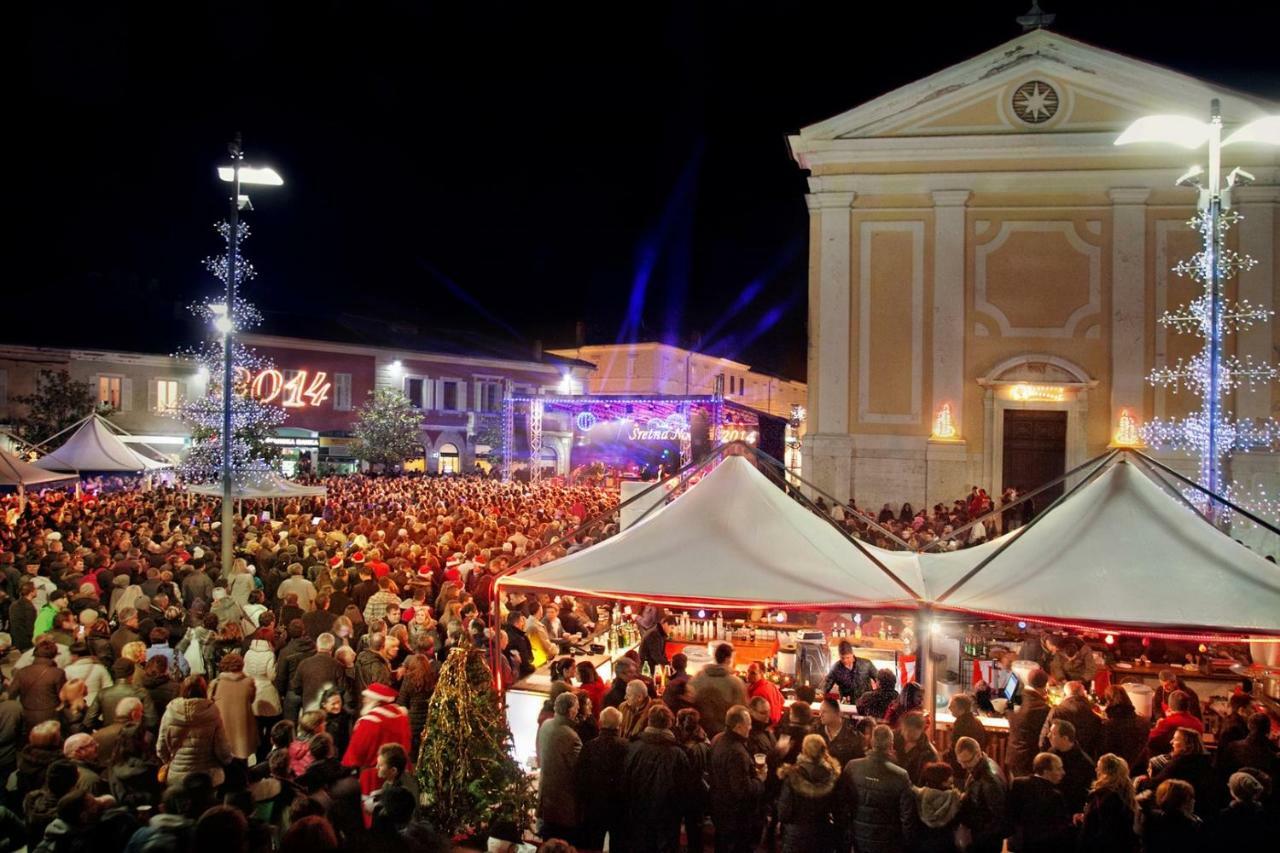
[[382, 722]]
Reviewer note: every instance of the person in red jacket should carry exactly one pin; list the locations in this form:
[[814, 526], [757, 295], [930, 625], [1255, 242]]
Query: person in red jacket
[[1179, 716], [758, 685], [383, 722]]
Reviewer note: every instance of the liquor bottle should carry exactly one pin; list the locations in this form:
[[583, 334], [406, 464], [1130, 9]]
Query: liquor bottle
[[719, 626], [645, 670]]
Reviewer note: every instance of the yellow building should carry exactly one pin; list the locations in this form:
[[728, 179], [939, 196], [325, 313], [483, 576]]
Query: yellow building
[[983, 261]]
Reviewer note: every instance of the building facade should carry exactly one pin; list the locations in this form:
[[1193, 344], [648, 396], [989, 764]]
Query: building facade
[[321, 385], [987, 270], [657, 368]]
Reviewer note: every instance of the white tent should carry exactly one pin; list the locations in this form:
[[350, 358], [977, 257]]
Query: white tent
[[16, 473], [259, 486], [94, 447], [733, 540], [1121, 551]]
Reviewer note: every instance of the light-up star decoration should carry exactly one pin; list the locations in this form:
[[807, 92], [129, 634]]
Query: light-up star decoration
[[1035, 102]]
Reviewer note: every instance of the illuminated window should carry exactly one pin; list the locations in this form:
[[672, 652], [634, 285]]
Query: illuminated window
[[109, 391], [413, 390], [166, 396]]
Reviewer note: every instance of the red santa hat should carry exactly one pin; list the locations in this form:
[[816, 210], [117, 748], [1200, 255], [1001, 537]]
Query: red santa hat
[[424, 571], [358, 557], [335, 562], [379, 693]]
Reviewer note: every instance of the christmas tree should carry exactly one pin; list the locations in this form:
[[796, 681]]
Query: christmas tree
[[253, 420], [468, 778], [388, 428]]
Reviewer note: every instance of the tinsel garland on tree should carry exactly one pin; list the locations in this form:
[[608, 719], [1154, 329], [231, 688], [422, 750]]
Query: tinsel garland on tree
[[468, 777]]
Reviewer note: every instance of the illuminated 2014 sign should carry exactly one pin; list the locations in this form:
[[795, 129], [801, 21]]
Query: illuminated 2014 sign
[[299, 390], [737, 432]]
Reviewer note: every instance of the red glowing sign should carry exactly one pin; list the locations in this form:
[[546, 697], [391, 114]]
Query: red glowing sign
[[299, 390]]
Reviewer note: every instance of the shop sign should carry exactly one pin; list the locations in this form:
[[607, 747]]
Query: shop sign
[[293, 442], [297, 391]]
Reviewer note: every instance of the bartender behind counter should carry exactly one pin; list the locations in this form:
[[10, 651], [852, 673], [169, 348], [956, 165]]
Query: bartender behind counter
[[851, 675]]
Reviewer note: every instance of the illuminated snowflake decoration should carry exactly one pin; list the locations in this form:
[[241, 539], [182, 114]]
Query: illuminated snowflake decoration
[[1194, 375]]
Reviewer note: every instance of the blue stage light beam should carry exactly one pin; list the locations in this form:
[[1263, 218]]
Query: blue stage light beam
[[467, 299]]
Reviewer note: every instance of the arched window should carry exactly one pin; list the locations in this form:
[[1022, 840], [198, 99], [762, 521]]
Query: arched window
[[450, 459]]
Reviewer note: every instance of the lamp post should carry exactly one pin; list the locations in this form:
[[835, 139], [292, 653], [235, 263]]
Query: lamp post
[[1213, 434], [225, 322]]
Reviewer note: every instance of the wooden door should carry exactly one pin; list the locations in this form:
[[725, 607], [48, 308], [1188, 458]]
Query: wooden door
[[1035, 452]]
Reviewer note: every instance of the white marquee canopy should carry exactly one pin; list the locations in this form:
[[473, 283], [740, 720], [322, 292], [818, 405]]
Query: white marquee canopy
[[734, 539], [17, 473], [94, 447], [269, 486]]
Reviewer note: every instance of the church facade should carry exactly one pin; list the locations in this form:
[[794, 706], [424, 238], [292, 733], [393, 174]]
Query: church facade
[[986, 269]]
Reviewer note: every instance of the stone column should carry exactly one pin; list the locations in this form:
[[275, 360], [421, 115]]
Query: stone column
[[1128, 302], [828, 447]]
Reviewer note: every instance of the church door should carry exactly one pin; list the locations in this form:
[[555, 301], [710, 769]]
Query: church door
[[1035, 452]]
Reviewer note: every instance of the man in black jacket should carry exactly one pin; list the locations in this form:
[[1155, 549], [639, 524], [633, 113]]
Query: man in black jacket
[[737, 785], [1036, 813], [656, 781], [653, 645], [518, 642], [844, 741], [22, 617], [1077, 767], [599, 785], [875, 807], [1025, 725], [317, 673], [1079, 711]]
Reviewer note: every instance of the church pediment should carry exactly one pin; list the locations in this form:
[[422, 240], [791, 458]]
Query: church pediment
[[1040, 82]]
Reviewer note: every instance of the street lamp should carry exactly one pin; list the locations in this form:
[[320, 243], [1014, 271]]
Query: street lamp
[[1213, 199], [225, 322]]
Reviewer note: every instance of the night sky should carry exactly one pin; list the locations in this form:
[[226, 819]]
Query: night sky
[[504, 168]]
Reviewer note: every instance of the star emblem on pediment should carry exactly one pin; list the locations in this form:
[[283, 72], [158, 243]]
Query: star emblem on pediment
[[1035, 102]]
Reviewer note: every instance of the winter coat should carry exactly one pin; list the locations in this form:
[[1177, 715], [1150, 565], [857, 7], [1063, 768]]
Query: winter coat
[[805, 803], [1078, 711], [875, 806], [33, 761], [845, 746], [95, 676], [233, 693], [260, 665], [914, 759], [108, 700], [1172, 832], [1237, 826], [558, 749], [1078, 667], [735, 789], [417, 703], [656, 777], [598, 780], [289, 658], [1108, 825], [936, 813], [1024, 733], [36, 686], [371, 668], [314, 675], [1197, 770], [22, 624], [161, 688], [982, 806], [1080, 771], [851, 682], [193, 739], [1125, 734], [10, 722], [715, 690], [875, 703], [1037, 817], [634, 718]]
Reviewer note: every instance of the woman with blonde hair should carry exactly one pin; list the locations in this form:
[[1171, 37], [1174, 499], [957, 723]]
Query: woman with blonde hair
[[73, 707], [1110, 813], [806, 799], [240, 582]]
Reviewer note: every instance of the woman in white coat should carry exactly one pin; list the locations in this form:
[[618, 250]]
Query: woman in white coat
[[260, 665], [240, 582]]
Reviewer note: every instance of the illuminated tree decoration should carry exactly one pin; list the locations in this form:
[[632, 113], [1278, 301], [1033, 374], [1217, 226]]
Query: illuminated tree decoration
[[253, 419], [388, 428], [1127, 434], [943, 426], [1191, 433]]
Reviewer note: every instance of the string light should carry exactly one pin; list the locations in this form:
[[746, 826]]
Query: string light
[[1127, 430], [252, 420], [1195, 375], [943, 425]]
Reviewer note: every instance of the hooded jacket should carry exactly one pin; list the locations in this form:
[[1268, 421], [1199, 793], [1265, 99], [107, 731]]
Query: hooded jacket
[[805, 803], [876, 806], [193, 739]]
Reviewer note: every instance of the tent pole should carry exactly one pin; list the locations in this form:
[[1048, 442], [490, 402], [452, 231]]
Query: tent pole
[[1021, 530], [60, 432], [22, 499], [1174, 490], [925, 669], [1163, 467]]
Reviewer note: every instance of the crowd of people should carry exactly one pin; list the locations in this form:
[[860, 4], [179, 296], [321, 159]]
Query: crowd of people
[[946, 527], [648, 769], [153, 703]]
